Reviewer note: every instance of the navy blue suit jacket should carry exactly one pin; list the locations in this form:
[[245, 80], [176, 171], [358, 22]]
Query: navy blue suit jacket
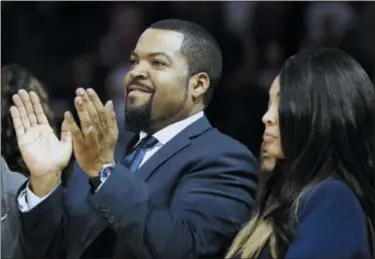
[[187, 201], [331, 225]]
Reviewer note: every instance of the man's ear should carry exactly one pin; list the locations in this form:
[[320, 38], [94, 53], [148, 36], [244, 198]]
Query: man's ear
[[199, 85]]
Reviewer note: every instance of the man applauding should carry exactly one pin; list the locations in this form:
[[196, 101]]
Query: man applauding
[[181, 189]]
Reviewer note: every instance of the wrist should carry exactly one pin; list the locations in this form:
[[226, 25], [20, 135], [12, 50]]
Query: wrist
[[94, 172], [41, 186], [110, 160], [101, 176]]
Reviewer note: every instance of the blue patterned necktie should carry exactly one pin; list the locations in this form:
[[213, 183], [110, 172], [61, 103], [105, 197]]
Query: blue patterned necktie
[[134, 159]]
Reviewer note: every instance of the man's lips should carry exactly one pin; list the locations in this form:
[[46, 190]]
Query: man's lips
[[139, 88]]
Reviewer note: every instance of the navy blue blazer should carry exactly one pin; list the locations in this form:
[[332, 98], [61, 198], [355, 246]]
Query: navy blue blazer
[[187, 201], [331, 225]]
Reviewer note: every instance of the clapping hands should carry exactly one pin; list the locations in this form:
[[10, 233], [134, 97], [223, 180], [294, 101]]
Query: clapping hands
[[45, 155]]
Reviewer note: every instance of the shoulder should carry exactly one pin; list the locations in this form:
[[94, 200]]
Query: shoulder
[[12, 180], [333, 206], [332, 196], [215, 149], [221, 156], [331, 224], [218, 143]]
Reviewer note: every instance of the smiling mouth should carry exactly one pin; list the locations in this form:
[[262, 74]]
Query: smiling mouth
[[138, 91], [138, 88]]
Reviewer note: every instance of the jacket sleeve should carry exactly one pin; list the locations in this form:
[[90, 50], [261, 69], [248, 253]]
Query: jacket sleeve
[[43, 227], [332, 225], [207, 208]]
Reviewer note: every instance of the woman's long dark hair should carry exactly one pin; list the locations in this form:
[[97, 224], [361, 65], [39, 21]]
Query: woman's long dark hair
[[327, 128]]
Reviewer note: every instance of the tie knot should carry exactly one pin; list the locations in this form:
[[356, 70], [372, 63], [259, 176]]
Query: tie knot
[[149, 142]]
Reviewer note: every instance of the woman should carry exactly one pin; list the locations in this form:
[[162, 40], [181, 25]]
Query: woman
[[319, 200], [10, 182], [14, 78]]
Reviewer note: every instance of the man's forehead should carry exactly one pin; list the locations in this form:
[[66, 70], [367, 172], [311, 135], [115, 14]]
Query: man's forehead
[[158, 40]]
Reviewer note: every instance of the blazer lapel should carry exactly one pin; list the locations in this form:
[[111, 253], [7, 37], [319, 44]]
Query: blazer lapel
[[175, 145], [125, 143]]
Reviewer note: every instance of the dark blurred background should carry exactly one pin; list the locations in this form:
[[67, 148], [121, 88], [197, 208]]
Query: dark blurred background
[[87, 44]]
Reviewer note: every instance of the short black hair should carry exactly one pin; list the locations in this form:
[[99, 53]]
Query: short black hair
[[200, 48]]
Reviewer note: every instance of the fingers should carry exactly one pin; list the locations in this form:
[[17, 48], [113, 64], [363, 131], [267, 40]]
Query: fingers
[[66, 139], [66, 136], [111, 129], [81, 140], [110, 117], [22, 111], [84, 117], [28, 107], [97, 104], [17, 123], [90, 108], [70, 124], [78, 139], [38, 109], [89, 130], [95, 99]]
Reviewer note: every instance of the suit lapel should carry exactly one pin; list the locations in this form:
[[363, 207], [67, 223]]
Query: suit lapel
[[162, 155], [175, 145], [125, 143]]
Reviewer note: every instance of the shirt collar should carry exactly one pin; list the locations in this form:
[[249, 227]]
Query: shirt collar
[[166, 134]]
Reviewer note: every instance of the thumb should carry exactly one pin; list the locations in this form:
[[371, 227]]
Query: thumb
[[66, 136], [65, 149]]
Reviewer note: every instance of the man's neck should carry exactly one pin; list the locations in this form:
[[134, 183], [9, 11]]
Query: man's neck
[[163, 124]]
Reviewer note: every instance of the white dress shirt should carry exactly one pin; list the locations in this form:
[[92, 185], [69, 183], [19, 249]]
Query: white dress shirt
[[27, 200]]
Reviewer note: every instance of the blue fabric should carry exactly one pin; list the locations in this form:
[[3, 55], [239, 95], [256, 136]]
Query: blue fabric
[[331, 225], [187, 201], [134, 159]]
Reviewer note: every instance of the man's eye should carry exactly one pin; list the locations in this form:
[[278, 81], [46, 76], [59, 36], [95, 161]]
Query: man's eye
[[132, 62], [159, 63]]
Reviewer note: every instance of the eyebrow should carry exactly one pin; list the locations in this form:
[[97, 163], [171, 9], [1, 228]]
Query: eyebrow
[[154, 54]]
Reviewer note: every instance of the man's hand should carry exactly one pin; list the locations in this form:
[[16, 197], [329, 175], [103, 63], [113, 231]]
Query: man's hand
[[44, 155], [94, 144]]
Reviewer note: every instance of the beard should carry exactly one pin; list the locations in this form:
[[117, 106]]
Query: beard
[[138, 117]]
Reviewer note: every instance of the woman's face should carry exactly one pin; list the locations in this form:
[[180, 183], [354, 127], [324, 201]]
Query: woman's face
[[271, 137]]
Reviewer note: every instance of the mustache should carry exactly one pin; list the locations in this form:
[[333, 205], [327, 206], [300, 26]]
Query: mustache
[[137, 82]]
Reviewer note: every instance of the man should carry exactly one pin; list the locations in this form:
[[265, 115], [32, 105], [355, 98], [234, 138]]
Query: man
[[10, 226], [182, 189]]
